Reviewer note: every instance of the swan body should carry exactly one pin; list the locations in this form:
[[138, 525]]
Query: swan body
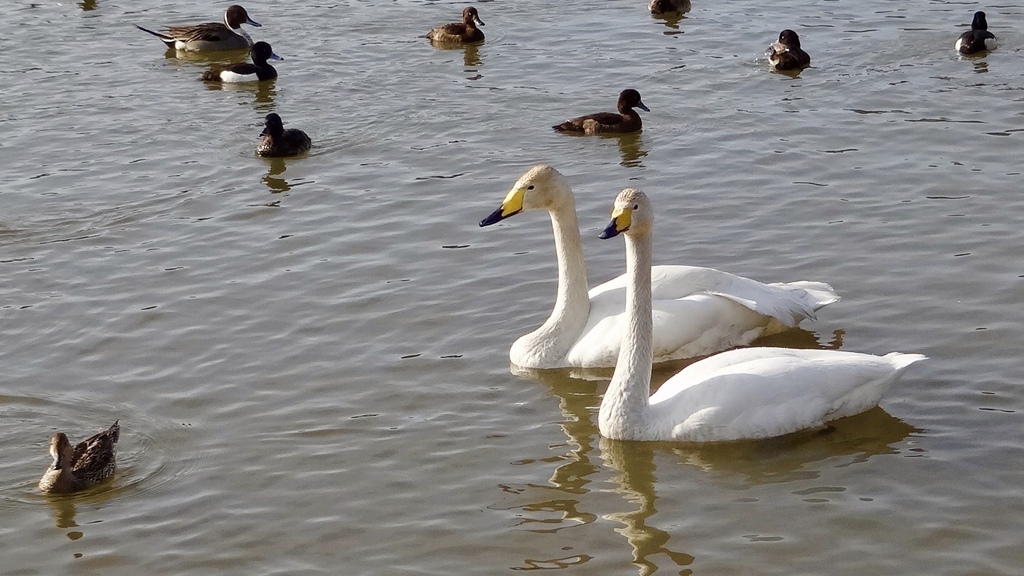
[[739, 394], [75, 468], [697, 311]]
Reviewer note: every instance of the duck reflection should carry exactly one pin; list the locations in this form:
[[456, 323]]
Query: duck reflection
[[277, 167], [63, 511], [632, 149]]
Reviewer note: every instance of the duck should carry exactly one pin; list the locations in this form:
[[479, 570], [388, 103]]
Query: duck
[[210, 36], [978, 38], [258, 71], [76, 468], [626, 120], [658, 7], [277, 141], [464, 32], [699, 311], [740, 394], [786, 54]]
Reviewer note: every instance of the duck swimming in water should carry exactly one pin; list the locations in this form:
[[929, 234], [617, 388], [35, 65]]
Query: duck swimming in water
[[257, 71], [626, 120], [461, 32], [278, 142], [978, 38], [76, 468], [210, 36], [786, 54]]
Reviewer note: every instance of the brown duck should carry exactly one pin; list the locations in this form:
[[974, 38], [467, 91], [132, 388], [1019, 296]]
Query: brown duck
[[76, 468], [626, 120]]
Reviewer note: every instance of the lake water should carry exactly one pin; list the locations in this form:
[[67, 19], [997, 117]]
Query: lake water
[[308, 356]]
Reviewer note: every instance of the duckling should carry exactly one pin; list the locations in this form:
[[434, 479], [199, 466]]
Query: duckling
[[257, 71], [277, 141], [978, 38], [77, 468], [464, 32], [786, 54], [626, 120], [668, 6], [210, 36]]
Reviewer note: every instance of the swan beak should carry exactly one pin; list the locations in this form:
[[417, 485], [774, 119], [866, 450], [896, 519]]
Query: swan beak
[[512, 205], [621, 219]]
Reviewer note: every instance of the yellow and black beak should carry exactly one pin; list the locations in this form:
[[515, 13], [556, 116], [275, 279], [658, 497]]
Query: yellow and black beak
[[512, 205], [621, 219]]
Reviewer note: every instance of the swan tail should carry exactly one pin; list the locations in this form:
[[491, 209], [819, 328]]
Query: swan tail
[[819, 294], [900, 360]]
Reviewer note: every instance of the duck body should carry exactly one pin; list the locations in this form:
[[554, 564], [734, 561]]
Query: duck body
[[211, 36], [739, 394], [276, 141], [978, 38], [786, 54], [697, 311], [256, 71], [624, 121], [658, 7], [76, 468], [464, 32]]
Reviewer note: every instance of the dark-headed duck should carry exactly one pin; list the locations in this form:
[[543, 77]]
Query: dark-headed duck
[[626, 120], [464, 32], [257, 71], [210, 36], [277, 141], [978, 38], [658, 7], [786, 54]]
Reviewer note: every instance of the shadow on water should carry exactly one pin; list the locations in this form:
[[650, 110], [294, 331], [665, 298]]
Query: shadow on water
[[738, 465], [632, 149], [277, 167]]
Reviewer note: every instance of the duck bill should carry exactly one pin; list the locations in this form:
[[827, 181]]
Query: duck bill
[[253, 23], [621, 220], [275, 57], [478, 20], [512, 205], [641, 106]]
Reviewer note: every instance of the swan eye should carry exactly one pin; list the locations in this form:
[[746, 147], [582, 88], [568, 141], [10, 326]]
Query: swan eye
[[636, 206], [530, 187]]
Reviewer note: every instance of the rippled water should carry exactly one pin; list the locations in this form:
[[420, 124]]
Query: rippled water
[[308, 356]]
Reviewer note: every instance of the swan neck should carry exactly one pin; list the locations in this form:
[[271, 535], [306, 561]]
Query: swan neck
[[572, 303], [626, 403]]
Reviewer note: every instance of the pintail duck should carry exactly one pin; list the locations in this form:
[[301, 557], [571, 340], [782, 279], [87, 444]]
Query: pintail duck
[[978, 38], [668, 6], [280, 142], [257, 71], [627, 120], [786, 54], [210, 36], [76, 468], [465, 31]]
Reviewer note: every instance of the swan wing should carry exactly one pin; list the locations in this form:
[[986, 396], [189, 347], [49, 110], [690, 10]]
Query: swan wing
[[764, 392]]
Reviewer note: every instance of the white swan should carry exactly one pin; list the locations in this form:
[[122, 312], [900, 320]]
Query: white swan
[[697, 311], [740, 394]]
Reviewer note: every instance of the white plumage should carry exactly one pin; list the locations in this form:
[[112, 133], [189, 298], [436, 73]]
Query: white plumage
[[697, 311], [739, 394]]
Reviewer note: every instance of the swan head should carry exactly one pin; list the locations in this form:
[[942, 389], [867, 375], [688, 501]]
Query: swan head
[[631, 214], [540, 188]]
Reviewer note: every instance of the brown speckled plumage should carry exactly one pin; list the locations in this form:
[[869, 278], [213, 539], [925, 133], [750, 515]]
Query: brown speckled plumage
[[76, 468]]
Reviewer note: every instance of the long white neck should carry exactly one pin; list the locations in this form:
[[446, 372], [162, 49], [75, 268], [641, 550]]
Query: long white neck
[[626, 403], [553, 340]]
